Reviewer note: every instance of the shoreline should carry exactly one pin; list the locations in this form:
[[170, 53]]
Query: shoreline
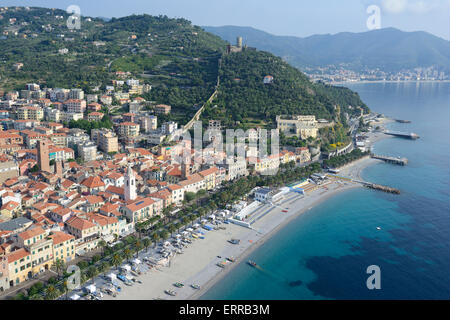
[[198, 295], [352, 170], [197, 265]]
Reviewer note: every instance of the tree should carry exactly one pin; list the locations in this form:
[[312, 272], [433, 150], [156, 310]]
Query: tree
[[147, 242], [155, 237], [92, 272], [116, 260], [102, 244], [127, 254], [60, 266], [51, 293]]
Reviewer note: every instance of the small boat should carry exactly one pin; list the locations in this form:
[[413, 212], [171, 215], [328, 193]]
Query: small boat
[[252, 263], [170, 293], [178, 285], [231, 259], [235, 241], [221, 265], [378, 228], [195, 286]]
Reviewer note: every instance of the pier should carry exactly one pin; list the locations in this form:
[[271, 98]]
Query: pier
[[411, 136], [381, 188], [393, 160]]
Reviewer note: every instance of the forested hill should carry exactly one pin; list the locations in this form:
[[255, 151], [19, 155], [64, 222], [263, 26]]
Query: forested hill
[[244, 97], [179, 60]]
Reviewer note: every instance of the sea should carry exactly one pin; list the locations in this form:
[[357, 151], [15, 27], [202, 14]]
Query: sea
[[325, 253]]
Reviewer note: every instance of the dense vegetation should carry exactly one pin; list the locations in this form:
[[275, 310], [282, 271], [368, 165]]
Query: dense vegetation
[[178, 59], [244, 98], [181, 62], [344, 159]]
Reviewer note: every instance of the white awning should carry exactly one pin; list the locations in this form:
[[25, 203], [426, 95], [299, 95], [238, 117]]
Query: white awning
[[112, 276], [178, 236], [75, 297], [137, 261], [91, 288], [126, 267]]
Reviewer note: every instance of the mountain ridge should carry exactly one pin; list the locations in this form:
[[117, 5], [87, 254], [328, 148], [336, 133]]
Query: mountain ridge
[[388, 48]]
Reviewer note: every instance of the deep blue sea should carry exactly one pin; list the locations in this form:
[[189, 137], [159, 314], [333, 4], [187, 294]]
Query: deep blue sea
[[324, 253]]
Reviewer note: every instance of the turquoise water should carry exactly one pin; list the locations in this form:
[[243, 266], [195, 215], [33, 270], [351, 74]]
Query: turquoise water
[[324, 253]]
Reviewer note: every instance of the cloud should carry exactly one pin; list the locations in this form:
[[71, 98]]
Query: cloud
[[412, 6]]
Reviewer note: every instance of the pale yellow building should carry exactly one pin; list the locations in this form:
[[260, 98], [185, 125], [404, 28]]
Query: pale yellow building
[[63, 246], [303, 127], [30, 113]]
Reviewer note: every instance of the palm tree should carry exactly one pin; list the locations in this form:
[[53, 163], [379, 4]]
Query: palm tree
[[60, 266], [116, 260], [147, 242], [51, 293], [171, 229], [138, 247], [127, 253], [103, 267], [65, 286], [155, 237], [92, 272], [102, 244]]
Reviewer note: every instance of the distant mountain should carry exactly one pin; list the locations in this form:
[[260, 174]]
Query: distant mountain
[[387, 49]]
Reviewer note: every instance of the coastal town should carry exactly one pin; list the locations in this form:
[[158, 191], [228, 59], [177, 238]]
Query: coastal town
[[67, 195], [108, 190]]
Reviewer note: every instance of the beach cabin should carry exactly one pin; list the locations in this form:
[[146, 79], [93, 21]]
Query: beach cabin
[[263, 194]]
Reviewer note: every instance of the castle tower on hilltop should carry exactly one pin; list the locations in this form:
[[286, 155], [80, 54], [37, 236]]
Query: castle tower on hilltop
[[130, 185]]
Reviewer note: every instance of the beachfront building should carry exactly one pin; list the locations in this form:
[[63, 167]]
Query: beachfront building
[[263, 194]]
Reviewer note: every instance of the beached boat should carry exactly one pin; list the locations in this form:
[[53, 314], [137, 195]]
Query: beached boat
[[195, 286], [231, 259], [170, 293], [252, 263], [221, 265], [235, 241], [178, 285]]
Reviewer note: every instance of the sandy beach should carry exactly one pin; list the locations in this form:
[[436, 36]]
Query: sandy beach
[[198, 263]]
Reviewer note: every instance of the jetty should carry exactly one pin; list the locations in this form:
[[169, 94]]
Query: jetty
[[412, 136], [393, 160], [382, 188]]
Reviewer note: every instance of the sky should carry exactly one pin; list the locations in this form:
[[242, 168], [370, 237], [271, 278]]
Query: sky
[[280, 17]]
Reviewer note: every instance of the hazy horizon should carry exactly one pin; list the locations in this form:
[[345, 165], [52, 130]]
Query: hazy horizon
[[299, 18]]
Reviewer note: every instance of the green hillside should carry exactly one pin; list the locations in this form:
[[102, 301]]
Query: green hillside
[[245, 98], [179, 60]]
